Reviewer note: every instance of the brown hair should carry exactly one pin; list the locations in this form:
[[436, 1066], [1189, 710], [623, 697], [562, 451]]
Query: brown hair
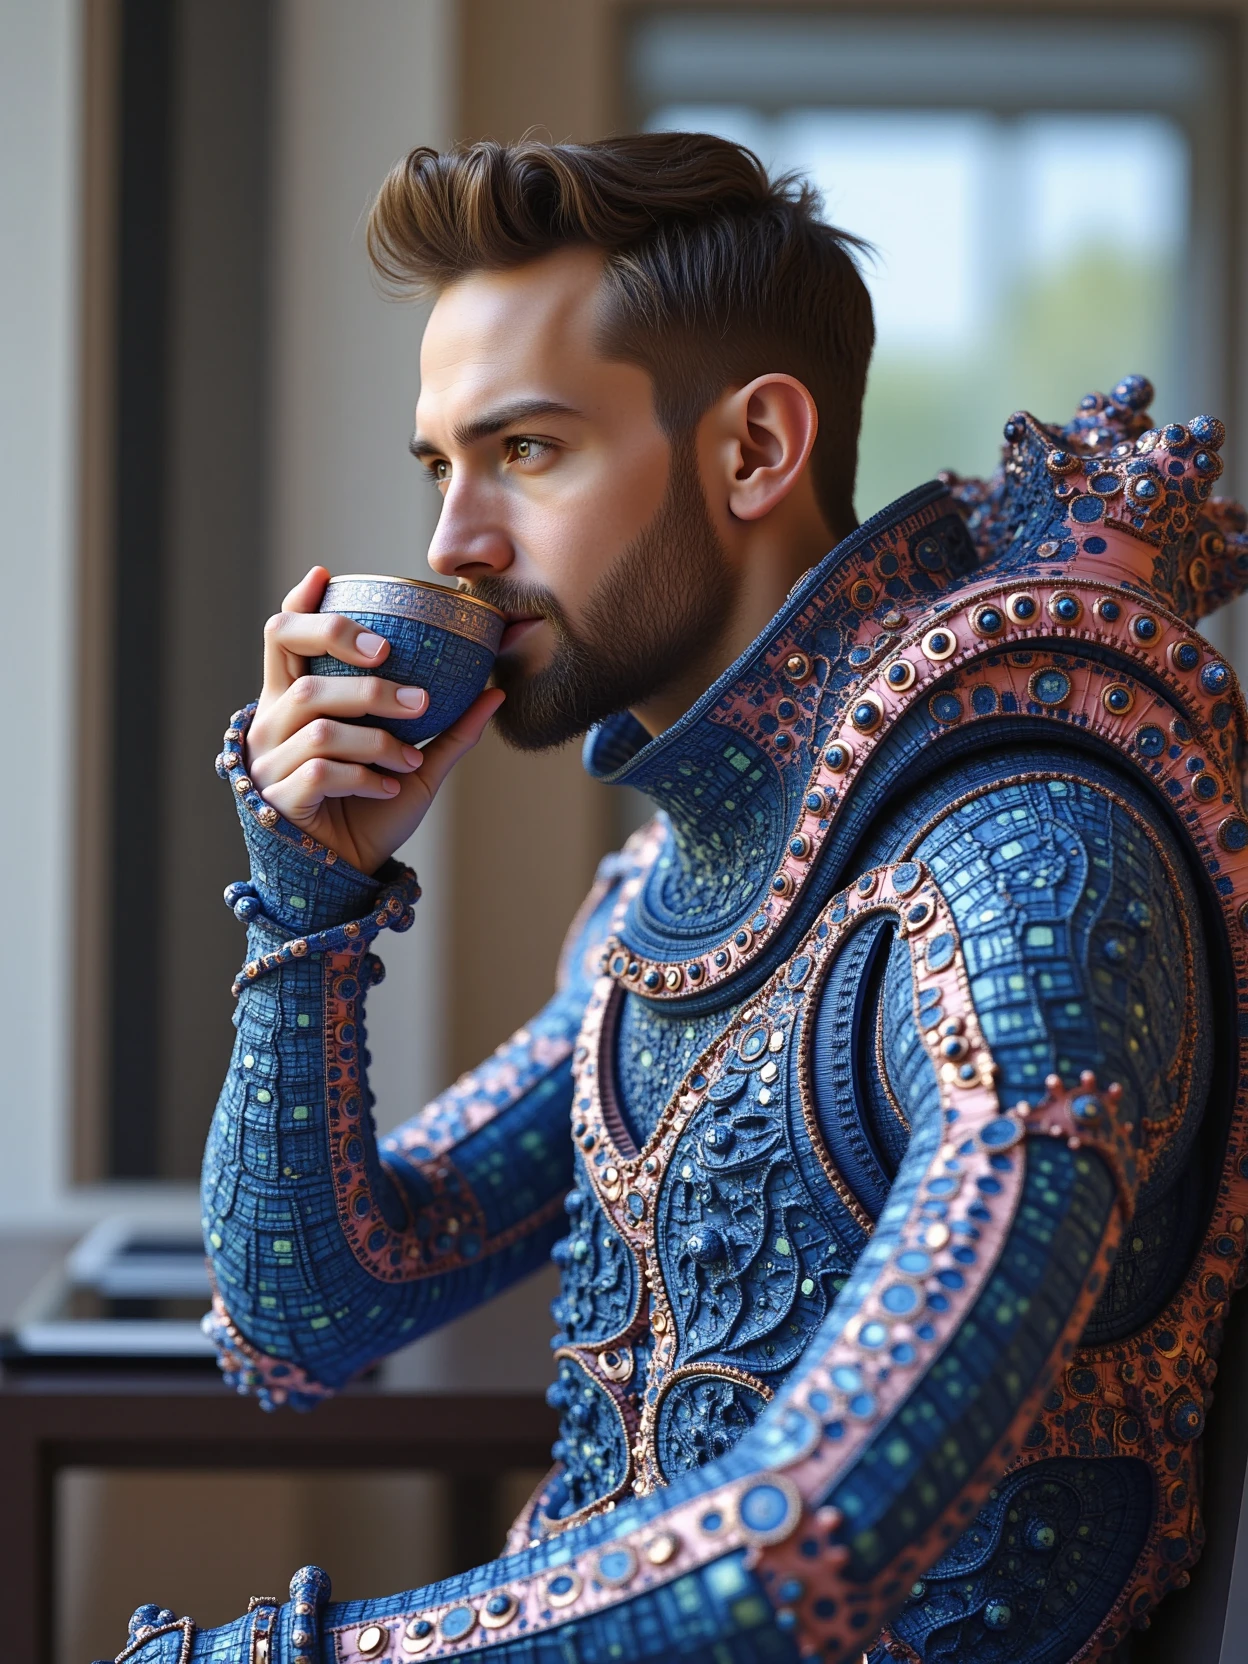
[[716, 273]]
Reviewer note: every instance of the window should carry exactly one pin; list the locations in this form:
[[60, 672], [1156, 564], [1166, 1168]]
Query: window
[[1048, 208]]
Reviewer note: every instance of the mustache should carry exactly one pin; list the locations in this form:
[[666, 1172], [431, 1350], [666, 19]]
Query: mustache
[[516, 598]]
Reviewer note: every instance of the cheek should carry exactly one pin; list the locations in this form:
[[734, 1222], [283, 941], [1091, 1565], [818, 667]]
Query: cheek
[[594, 508]]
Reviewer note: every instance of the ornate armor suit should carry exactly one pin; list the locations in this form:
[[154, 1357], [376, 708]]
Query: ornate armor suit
[[894, 1091]]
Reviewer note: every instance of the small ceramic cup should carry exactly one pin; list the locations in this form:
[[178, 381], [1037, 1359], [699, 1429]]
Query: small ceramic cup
[[440, 640]]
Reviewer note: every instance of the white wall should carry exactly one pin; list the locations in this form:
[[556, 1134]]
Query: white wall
[[359, 86], [39, 108]]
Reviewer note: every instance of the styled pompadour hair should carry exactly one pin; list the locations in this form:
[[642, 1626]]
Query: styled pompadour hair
[[714, 272]]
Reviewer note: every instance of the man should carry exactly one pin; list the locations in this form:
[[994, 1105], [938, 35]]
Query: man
[[906, 1176]]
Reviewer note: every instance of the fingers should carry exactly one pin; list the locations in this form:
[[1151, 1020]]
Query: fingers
[[339, 697], [307, 593], [292, 637], [336, 742], [442, 754], [300, 794]]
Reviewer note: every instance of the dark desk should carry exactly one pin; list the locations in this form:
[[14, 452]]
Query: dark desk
[[116, 1420]]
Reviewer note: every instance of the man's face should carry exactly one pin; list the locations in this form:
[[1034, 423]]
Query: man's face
[[564, 503]]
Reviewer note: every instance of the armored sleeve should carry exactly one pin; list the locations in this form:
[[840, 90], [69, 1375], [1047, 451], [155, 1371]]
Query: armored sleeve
[[329, 1249]]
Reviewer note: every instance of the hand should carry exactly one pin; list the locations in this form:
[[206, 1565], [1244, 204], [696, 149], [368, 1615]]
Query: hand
[[321, 771]]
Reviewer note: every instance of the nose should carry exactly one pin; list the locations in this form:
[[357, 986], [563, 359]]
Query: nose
[[466, 544]]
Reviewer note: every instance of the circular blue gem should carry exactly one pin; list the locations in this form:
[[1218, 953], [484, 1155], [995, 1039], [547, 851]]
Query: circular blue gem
[[764, 1508], [914, 1262], [984, 699], [614, 1565], [859, 656], [873, 1335], [865, 715], [940, 952], [815, 802], [1150, 740], [900, 1298], [1118, 699], [1205, 787], [1105, 484], [999, 1133], [1086, 509], [1146, 489], [1204, 463], [1144, 628], [897, 673], [1110, 611], [1013, 430], [1086, 1108], [1187, 655], [460, 1619], [1174, 433], [498, 1604], [1215, 678], [1234, 835], [651, 979], [862, 1404], [1095, 545], [782, 741], [835, 756], [1051, 687], [903, 1353], [705, 1245], [1024, 607], [1187, 1419], [998, 1614], [846, 1378], [1066, 608], [712, 1521], [990, 620], [790, 1590], [1115, 950], [946, 707]]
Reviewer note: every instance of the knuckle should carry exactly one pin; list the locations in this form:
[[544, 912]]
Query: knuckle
[[275, 625], [320, 731], [303, 690], [316, 772]]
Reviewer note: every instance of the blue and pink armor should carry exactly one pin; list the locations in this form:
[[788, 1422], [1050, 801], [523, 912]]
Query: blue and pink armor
[[888, 1125]]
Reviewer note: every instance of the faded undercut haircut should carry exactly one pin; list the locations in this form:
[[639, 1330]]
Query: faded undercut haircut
[[715, 274]]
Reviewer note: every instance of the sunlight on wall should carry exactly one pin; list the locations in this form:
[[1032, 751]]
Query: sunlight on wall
[[1018, 261]]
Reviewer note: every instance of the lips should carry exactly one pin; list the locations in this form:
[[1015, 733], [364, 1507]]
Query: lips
[[518, 630]]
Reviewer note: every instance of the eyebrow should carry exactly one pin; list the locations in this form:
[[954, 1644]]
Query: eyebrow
[[492, 422]]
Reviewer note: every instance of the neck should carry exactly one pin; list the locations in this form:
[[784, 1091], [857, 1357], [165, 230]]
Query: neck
[[762, 572]]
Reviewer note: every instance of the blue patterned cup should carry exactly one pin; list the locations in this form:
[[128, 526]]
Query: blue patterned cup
[[440, 640]]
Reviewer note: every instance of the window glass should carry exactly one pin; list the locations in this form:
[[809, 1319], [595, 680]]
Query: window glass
[[1018, 260]]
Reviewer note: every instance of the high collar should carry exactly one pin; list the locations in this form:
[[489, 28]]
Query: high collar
[[753, 778], [729, 775]]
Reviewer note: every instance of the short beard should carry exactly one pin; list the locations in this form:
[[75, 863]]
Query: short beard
[[654, 613]]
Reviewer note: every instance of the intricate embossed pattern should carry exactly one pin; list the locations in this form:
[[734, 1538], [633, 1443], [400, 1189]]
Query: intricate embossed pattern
[[892, 1284]]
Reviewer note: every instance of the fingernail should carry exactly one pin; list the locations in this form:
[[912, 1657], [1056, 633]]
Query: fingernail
[[414, 698], [412, 756], [390, 786], [369, 644]]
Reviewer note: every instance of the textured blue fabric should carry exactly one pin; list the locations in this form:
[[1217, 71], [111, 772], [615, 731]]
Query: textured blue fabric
[[827, 1277]]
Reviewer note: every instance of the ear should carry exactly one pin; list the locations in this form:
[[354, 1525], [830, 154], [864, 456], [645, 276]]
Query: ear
[[770, 425]]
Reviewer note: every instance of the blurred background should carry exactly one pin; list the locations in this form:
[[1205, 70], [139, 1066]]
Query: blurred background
[[204, 394]]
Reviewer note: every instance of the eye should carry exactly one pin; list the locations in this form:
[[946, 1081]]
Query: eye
[[524, 448], [439, 470]]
